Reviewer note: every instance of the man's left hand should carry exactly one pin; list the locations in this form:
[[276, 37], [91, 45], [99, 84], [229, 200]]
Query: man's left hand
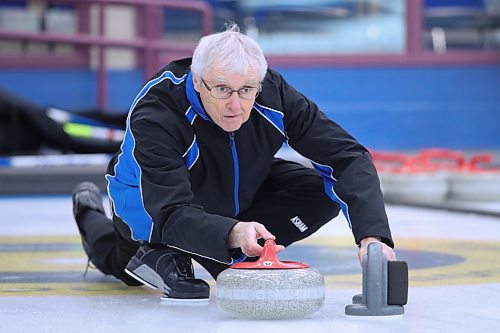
[[386, 250]]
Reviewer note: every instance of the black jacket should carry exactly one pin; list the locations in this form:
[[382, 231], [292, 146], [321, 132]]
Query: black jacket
[[179, 179]]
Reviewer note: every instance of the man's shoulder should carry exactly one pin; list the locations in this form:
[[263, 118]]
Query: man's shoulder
[[271, 88], [167, 90], [178, 68], [273, 75]]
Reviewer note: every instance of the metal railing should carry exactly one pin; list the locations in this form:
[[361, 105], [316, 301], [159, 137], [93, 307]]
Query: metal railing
[[148, 41]]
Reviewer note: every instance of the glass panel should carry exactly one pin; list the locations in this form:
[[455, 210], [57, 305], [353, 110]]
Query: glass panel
[[36, 17], [461, 24], [182, 24], [319, 26]]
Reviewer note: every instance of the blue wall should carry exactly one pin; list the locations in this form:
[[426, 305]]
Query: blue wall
[[385, 108], [72, 89], [405, 108]]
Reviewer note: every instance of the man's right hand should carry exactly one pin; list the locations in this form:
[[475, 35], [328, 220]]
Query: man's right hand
[[245, 235]]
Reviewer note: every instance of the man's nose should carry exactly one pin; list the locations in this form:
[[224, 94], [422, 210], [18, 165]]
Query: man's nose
[[234, 100]]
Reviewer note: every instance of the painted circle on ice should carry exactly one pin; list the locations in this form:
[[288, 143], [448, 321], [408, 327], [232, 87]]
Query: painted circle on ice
[[55, 265]]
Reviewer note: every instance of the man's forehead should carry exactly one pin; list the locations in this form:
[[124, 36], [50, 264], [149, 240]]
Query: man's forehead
[[224, 76]]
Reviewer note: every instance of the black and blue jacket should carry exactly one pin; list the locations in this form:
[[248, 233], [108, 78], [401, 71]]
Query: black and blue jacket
[[179, 179]]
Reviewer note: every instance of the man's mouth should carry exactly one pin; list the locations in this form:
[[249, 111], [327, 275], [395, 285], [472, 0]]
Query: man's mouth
[[232, 116]]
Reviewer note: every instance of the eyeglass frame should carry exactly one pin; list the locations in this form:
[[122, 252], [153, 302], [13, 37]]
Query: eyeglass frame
[[259, 89]]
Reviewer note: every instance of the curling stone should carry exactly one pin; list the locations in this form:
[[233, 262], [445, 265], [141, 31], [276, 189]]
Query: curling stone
[[415, 187], [406, 179], [269, 288], [477, 181], [385, 286]]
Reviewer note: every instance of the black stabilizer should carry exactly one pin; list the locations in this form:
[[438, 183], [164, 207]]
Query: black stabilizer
[[397, 291]]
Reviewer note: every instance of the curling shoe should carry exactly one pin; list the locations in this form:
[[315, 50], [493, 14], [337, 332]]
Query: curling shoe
[[170, 271], [86, 196]]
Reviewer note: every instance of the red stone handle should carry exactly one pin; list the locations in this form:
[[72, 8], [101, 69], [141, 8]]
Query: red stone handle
[[269, 260]]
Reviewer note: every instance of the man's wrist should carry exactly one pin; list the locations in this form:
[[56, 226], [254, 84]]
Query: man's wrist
[[370, 240], [230, 237]]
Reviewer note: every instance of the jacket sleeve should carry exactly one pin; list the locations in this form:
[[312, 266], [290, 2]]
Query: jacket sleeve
[[166, 189], [347, 169]]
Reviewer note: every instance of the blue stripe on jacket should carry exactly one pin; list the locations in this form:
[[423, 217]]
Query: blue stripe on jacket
[[329, 181], [275, 117], [124, 188]]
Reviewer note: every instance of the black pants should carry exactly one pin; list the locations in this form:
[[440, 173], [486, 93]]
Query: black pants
[[292, 205]]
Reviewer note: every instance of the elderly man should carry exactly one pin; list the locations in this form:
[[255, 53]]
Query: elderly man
[[196, 177]]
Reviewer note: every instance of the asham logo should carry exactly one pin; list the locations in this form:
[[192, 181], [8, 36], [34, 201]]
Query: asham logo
[[299, 224]]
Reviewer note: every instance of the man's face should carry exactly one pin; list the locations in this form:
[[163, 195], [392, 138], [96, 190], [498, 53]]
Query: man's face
[[232, 112]]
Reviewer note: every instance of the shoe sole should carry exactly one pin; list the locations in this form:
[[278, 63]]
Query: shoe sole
[[151, 279], [184, 301], [141, 271], [92, 188]]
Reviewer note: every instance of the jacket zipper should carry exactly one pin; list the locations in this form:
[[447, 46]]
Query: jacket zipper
[[236, 173]]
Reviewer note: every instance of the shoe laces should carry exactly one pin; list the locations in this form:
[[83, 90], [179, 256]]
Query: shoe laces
[[89, 265], [184, 265]]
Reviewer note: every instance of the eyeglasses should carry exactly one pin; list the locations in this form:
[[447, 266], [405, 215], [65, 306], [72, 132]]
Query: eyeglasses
[[224, 92]]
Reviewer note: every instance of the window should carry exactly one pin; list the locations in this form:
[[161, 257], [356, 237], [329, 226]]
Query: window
[[322, 27], [36, 17], [461, 25]]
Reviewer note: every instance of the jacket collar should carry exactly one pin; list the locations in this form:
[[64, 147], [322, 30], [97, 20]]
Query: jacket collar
[[193, 98]]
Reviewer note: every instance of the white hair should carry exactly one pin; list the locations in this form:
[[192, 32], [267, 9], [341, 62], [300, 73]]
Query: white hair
[[229, 50]]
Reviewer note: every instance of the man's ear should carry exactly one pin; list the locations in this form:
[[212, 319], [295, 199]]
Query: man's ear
[[196, 84]]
